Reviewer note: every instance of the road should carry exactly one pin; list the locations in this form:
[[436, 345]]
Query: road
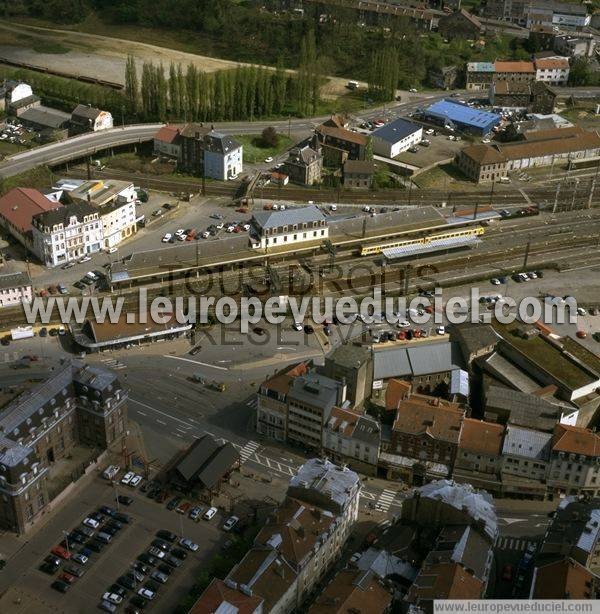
[[90, 144]]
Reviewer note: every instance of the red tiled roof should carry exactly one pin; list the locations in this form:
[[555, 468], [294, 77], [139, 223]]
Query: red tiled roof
[[576, 440], [514, 67], [346, 417], [21, 204], [167, 134], [550, 64], [482, 437], [218, 593], [397, 390], [565, 579], [445, 581]]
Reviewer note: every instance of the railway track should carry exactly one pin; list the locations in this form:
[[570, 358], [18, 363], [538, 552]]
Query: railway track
[[475, 265]]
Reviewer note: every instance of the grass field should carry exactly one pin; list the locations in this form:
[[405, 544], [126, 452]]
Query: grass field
[[254, 150]]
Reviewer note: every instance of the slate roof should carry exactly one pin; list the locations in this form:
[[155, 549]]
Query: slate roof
[[289, 217], [223, 144], [46, 117], [527, 443], [15, 280], [396, 130], [63, 214], [207, 461], [421, 359], [85, 112]]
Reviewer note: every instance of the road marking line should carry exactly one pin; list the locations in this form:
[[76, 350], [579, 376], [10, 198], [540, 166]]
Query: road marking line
[[194, 362], [139, 411], [161, 422]]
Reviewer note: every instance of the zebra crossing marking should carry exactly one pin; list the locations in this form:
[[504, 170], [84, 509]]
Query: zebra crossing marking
[[385, 500], [506, 542], [248, 450], [113, 363]]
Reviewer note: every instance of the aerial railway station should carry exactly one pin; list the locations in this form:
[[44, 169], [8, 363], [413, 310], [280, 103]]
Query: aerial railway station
[[306, 232]]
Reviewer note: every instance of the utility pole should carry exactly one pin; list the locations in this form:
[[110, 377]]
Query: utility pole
[[492, 193], [591, 196], [476, 210], [527, 248], [289, 126], [556, 199], [409, 190], [574, 194], [89, 168]]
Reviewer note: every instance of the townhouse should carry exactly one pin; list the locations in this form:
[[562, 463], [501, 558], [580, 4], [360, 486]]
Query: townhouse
[[295, 548], [15, 289]]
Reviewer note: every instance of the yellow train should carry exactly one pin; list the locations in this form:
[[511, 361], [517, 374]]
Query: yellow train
[[370, 250]]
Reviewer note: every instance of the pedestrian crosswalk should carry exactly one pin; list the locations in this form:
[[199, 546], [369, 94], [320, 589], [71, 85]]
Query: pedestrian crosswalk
[[252, 403], [248, 450], [506, 542], [113, 363], [385, 500]]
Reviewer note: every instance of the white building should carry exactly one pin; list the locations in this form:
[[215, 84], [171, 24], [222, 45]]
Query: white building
[[553, 71], [16, 92], [86, 118], [67, 233], [396, 137], [15, 288], [223, 156], [281, 228]]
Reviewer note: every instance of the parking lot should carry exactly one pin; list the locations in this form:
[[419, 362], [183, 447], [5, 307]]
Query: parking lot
[[116, 559]]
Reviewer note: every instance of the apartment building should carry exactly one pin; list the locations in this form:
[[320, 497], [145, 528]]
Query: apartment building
[[529, 12], [67, 233], [574, 466], [525, 457], [304, 165], [15, 289], [272, 402], [339, 144], [564, 579], [352, 364], [76, 405], [479, 455], [573, 532], [311, 399], [553, 71], [352, 438]]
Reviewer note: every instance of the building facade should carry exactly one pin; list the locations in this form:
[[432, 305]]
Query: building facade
[[281, 228], [304, 165], [77, 405], [358, 174], [86, 118], [397, 136], [67, 233], [460, 24], [15, 289]]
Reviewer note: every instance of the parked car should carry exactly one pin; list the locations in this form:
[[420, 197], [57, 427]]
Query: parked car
[[90, 522], [230, 523], [173, 503], [148, 559], [125, 500], [168, 535], [61, 552], [113, 598], [146, 593], [210, 513], [195, 513], [75, 570], [159, 576], [183, 508], [135, 481], [80, 558], [126, 479], [189, 544], [60, 586]]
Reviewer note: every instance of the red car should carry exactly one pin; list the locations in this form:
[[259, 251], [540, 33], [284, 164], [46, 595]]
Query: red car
[[61, 552], [581, 334], [401, 336], [183, 508], [67, 577], [416, 333], [507, 573]]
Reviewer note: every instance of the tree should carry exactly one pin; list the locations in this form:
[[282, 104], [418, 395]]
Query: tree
[[174, 93], [269, 137], [132, 91]]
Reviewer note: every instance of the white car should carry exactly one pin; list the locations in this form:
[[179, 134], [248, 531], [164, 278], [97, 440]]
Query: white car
[[157, 553], [440, 330], [146, 593], [230, 228], [111, 471], [188, 544], [210, 513], [167, 237], [282, 207], [181, 237], [494, 281], [486, 141], [220, 226], [112, 250], [403, 324], [90, 522], [269, 160], [205, 234], [333, 207], [413, 90], [85, 259], [297, 326], [113, 598], [180, 231], [135, 481], [126, 479], [430, 131], [366, 208], [581, 311], [230, 523], [246, 227], [80, 558]]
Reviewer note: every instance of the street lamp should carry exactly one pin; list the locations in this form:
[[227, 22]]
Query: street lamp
[[116, 494], [66, 534]]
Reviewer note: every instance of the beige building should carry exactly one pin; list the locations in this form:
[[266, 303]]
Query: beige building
[[485, 163]]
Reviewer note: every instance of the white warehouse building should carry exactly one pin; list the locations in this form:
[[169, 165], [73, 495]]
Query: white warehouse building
[[396, 137], [278, 228]]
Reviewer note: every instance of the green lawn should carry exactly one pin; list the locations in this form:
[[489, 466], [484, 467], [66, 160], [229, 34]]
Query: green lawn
[[255, 152]]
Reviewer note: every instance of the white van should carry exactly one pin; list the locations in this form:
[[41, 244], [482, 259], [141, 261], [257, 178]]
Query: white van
[[111, 472]]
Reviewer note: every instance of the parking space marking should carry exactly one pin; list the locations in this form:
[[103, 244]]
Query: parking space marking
[[195, 362]]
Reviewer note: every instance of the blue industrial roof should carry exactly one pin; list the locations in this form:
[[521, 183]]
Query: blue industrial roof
[[396, 131], [463, 114]]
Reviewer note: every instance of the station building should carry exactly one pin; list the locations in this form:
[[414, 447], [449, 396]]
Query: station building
[[280, 228]]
